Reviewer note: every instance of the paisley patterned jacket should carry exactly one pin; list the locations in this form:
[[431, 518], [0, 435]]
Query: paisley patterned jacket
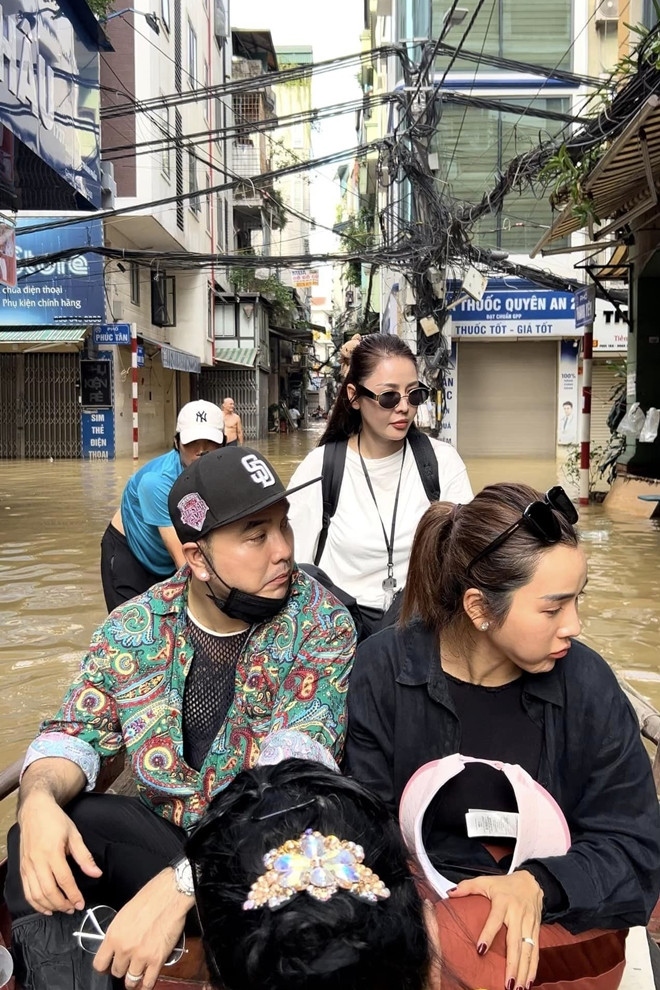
[[292, 674]]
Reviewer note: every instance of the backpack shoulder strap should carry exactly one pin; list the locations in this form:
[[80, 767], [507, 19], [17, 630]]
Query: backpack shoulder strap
[[334, 458], [427, 463]]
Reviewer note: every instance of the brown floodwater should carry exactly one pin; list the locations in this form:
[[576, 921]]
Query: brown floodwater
[[52, 516]]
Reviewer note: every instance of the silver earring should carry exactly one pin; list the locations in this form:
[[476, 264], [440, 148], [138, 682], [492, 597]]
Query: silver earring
[[484, 626]]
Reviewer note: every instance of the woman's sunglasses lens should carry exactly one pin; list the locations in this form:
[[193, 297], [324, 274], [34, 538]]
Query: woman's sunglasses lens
[[388, 400], [560, 501], [417, 396], [542, 520]]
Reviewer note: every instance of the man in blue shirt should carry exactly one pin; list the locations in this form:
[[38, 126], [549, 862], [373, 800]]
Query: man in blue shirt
[[140, 546]]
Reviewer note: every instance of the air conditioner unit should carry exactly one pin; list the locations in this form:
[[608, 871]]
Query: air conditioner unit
[[108, 185], [607, 11]]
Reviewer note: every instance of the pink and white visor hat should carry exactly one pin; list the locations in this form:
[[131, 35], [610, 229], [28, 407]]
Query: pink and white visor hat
[[542, 828]]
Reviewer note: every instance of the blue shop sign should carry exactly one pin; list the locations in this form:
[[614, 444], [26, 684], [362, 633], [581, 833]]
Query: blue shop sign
[[98, 435], [49, 89], [585, 305], [112, 333], [510, 311], [66, 292]]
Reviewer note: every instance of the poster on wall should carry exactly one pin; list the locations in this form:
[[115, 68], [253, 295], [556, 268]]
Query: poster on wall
[[568, 397]]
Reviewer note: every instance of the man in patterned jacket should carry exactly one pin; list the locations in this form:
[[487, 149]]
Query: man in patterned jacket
[[186, 681]]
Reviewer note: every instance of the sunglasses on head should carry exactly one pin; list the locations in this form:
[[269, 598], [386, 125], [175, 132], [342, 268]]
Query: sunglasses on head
[[540, 519], [390, 399]]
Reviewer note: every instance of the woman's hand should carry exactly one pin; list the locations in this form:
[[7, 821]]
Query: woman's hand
[[142, 935], [516, 901]]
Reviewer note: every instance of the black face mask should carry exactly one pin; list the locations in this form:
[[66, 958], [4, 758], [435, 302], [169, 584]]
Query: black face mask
[[243, 606]]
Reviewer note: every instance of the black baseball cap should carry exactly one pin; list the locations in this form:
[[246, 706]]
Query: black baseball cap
[[223, 486]]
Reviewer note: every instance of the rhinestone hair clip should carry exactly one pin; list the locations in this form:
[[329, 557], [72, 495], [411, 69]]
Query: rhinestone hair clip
[[319, 864]]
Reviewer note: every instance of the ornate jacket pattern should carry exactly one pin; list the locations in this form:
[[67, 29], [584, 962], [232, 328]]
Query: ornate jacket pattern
[[292, 674]]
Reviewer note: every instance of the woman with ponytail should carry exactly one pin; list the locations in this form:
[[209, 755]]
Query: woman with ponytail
[[508, 747]]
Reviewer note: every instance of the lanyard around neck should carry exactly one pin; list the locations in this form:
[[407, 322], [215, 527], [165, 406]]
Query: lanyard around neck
[[389, 584]]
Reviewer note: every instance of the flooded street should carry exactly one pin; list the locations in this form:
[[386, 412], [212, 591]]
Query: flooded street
[[52, 516]]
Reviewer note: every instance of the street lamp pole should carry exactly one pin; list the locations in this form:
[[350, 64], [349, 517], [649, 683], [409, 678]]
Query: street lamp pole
[[151, 19]]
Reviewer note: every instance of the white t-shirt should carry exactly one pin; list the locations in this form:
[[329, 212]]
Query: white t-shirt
[[355, 554]]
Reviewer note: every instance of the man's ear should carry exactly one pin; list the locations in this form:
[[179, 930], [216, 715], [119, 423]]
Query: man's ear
[[195, 560], [475, 608]]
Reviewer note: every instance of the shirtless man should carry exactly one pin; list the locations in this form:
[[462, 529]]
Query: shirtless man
[[233, 425]]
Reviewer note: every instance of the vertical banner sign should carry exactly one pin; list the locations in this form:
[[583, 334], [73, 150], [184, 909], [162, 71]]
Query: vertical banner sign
[[568, 395], [447, 425], [98, 434]]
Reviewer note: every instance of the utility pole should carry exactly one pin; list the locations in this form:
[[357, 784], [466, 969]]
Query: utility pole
[[585, 309]]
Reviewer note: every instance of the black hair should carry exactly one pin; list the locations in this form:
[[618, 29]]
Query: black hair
[[345, 421], [344, 943]]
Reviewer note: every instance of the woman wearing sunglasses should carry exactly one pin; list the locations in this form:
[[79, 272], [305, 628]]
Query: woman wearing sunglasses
[[485, 664], [365, 546]]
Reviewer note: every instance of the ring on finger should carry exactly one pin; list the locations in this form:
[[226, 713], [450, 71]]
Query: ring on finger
[[528, 940], [134, 978]]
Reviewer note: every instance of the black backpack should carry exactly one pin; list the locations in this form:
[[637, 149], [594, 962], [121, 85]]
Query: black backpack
[[334, 458]]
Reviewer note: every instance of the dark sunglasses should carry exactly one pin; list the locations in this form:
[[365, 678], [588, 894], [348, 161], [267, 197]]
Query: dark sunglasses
[[391, 399], [540, 519]]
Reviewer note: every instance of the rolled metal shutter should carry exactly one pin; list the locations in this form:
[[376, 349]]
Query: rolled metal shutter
[[507, 398]]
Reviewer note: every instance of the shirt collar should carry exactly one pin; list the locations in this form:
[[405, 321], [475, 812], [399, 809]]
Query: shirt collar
[[422, 666], [171, 597]]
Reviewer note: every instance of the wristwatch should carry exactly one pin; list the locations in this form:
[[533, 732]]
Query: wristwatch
[[183, 876]]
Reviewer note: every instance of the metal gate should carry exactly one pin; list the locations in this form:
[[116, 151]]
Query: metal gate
[[8, 407], [216, 384], [39, 405]]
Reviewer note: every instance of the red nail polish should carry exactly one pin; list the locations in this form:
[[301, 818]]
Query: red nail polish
[[511, 984], [481, 948]]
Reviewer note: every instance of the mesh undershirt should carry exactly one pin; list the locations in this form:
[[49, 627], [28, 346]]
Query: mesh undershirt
[[209, 689]]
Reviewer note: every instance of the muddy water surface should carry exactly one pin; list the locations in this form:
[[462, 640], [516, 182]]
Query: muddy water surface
[[52, 516]]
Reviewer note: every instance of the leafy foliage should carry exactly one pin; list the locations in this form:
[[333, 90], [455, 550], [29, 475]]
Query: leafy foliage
[[100, 7]]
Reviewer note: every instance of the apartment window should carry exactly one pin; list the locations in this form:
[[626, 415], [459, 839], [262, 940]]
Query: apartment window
[[474, 146], [532, 32], [164, 128], [205, 83], [135, 284], [192, 55], [193, 186], [163, 300], [165, 14], [207, 203]]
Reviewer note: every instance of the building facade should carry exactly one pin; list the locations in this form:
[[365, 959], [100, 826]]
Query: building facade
[[511, 353], [50, 168]]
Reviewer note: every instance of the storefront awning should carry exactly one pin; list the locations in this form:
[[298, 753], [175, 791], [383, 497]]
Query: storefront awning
[[242, 356], [622, 184], [43, 335], [173, 358], [177, 360]]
